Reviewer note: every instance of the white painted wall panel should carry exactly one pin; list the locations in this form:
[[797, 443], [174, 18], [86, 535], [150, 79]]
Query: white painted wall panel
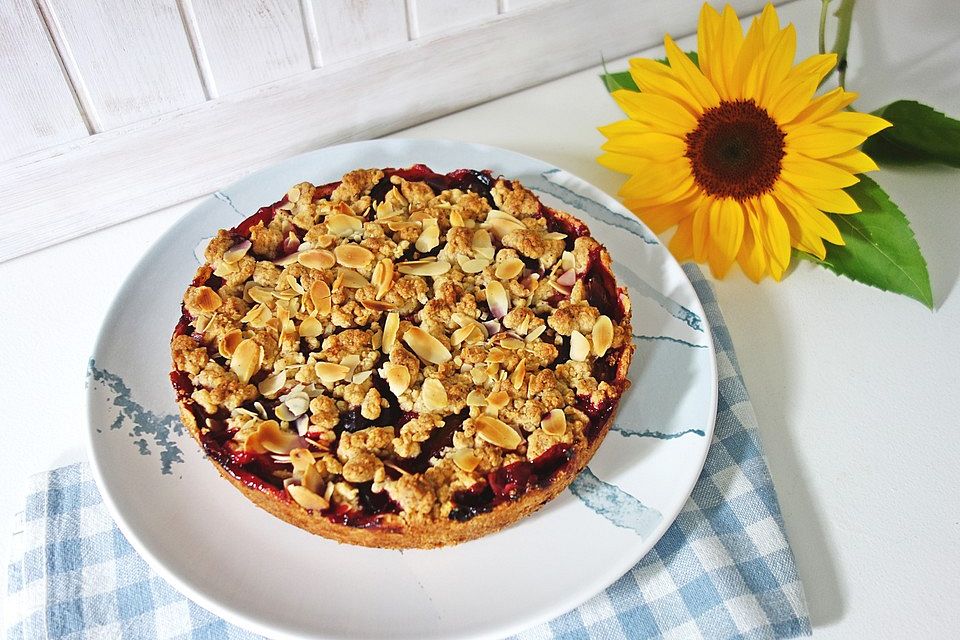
[[350, 28], [245, 43], [130, 59], [37, 109], [435, 16]]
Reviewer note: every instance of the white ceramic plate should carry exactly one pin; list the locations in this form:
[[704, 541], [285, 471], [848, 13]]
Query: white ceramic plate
[[258, 572]]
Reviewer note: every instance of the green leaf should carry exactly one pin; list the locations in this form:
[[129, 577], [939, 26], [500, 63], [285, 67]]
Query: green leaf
[[880, 249], [919, 134], [623, 79]]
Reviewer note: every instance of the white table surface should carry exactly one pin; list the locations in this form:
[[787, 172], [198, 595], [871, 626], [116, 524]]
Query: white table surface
[[856, 390]]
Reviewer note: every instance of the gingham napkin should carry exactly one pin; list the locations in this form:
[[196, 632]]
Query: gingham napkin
[[723, 570]]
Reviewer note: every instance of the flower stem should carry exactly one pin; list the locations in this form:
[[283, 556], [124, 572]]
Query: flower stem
[[844, 16], [823, 25]]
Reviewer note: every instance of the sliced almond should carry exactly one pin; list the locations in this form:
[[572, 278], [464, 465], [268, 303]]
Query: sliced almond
[[429, 237], [456, 219], [383, 277], [433, 394], [320, 296], [497, 432], [270, 385], [475, 398], [237, 251], [579, 346], [246, 359], [555, 424], [361, 377], [397, 377], [228, 342], [329, 372], [378, 305], [518, 374], [293, 195], [258, 316], [461, 334], [496, 355], [207, 299], [310, 327], [260, 294], [473, 265], [275, 440], [536, 333], [509, 268], [306, 498], [390, 326], [497, 299], [501, 226], [513, 344], [319, 259], [431, 267], [287, 260], [498, 399], [426, 346], [343, 225], [312, 479], [466, 459], [351, 279], [482, 245], [301, 459], [602, 335], [478, 375], [567, 263], [353, 256]]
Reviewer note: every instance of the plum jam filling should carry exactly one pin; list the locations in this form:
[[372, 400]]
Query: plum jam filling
[[479, 182], [510, 483]]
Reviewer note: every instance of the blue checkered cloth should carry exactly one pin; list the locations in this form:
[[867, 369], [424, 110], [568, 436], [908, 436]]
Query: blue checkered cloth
[[723, 570]]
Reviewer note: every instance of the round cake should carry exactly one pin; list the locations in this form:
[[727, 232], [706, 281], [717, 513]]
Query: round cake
[[402, 358]]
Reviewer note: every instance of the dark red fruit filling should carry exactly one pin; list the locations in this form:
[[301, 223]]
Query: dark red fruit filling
[[479, 182], [510, 483]]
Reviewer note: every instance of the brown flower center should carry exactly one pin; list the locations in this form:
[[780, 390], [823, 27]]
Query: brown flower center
[[735, 151]]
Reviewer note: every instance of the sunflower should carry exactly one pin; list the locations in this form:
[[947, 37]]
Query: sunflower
[[737, 152]]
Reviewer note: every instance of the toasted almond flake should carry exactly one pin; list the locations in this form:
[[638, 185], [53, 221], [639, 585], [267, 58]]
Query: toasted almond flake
[[207, 299], [276, 440], [568, 278], [383, 277], [301, 459], [351, 279], [397, 377], [431, 267], [320, 296], [397, 225], [228, 342], [509, 268], [343, 225], [351, 361], [518, 375], [312, 479], [554, 235], [456, 219], [429, 237], [497, 299], [293, 195], [426, 346], [378, 305], [475, 398], [283, 412], [473, 265], [497, 214], [536, 333], [512, 343], [497, 355], [306, 498], [287, 260], [482, 245], [246, 359], [329, 372], [353, 255], [433, 394], [497, 432], [477, 335], [310, 327], [319, 259], [461, 334], [295, 284], [498, 399], [555, 424], [260, 294], [224, 269], [579, 346], [466, 459], [567, 262], [298, 404], [602, 335], [560, 288], [258, 316], [361, 377], [478, 375], [237, 251], [270, 385], [390, 326]]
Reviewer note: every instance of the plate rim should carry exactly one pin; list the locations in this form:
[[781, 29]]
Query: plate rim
[[565, 605]]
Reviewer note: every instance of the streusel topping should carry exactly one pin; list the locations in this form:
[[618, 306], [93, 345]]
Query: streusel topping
[[384, 345]]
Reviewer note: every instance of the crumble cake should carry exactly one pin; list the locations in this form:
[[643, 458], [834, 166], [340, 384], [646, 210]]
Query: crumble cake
[[402, 358]]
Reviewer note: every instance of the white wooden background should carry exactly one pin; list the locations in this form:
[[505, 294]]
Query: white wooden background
[[110, 109]]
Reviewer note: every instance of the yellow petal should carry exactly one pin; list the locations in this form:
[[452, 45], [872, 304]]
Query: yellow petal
[[803, 172], [663, 216], [683, 189], [769, 24], [832, 200], [666, 114], [701, 227], [657, 78], [681, 244], [726, 227], [746, 58], [795, 92], [806, 215], [752, 258], [778, 64], [775, 235], [854, 161], [654, 146], [821, 107], [815, 141], [690, 76], [649, 178], [863, 124], [709, 41]]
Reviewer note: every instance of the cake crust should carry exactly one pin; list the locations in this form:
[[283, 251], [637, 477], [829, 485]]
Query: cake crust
[[496, 410]]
